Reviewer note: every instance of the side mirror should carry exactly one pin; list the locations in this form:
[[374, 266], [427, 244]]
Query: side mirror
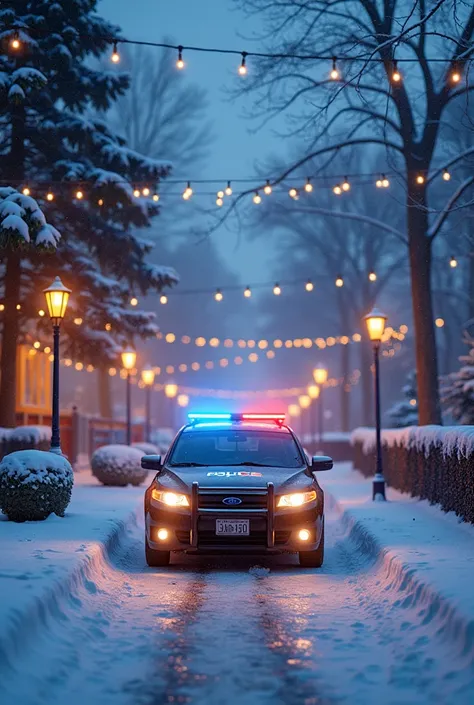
[[152, 462], [321, 462]]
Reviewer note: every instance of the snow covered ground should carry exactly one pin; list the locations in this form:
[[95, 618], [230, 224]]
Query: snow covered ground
[[369, 627]]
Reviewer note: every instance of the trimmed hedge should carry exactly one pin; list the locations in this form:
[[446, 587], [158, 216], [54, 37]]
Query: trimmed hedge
[[24, 438], [430, 462], [118, 465], [34, 484]]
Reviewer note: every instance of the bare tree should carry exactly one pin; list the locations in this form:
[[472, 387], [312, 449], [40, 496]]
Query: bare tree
[[371, 106]]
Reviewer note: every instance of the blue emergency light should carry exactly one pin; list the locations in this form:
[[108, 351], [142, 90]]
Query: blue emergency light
[[240, 416]]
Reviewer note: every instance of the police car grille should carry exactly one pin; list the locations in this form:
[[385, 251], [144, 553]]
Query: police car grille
[[209, 538], [247, 501]]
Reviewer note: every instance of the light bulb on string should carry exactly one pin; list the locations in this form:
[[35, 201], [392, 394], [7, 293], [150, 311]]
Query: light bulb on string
[[308, 187], [220, 194], [79, 195], [257, 199], [188, 192], [446, 175], [267, 189], [228, 189], [378, 183], [346, 185], [396, 75], [372, 276], [337, 190], [136, 193], [146, 191], [455, 76], [243, 65], [100, 202], [420, 179], [247, 292], [335, 75], [163, 299], [26, 191], [277, 289], [339, 281], [293, 193], [218, 296], [50, 196], [453, 262], [219, 202], [309, 286], [15, 42], [180, 62], [385, 181], [156, 197], [115, 54]]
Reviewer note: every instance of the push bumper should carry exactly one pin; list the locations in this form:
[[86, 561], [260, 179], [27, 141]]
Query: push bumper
[[271, 530]]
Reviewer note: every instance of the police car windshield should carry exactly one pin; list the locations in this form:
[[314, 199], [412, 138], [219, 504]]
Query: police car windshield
[[236, 447]]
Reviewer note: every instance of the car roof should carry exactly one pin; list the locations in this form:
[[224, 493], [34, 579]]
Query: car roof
[[270, 426]]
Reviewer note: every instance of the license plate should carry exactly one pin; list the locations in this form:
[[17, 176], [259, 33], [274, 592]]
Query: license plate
[[232, 527]]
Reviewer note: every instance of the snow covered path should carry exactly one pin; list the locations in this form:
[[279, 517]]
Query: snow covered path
[[215, 631]]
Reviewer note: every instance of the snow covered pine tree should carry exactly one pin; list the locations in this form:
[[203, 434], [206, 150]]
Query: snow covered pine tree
[[51, 146], [405, 413], [458, 389]]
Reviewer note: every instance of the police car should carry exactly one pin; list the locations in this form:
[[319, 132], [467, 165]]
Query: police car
[[235, 483]]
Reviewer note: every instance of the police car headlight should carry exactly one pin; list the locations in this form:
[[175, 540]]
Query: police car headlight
[[171, 499], [297, 499]]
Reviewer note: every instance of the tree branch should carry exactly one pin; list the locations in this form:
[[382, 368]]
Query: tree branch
[[438, 224]]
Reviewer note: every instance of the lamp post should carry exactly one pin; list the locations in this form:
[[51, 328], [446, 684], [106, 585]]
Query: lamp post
[[183, 400], [171, 390], [305, 402], [313, 392], [148, 378], [375, 321], [129, 357], [57, 297], [320, 376]]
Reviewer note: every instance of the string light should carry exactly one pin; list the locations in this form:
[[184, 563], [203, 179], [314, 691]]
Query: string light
[[396, 75], [146, 191], [50, 196], [455, 76], [180, 62], [420, 179], [188, 192], [439, 322], [346, 185], [134, 301], [257, 198], [156, 197], [372, 276], [339, 281], [385, 181], [277, 289], [100, 202], [446, 175], [15, 42], [335, 75], [115, 55], [267, 189], [79, 195], [108, 327], [309, 286], [136, 193], [78, 321], [453, 262], [220, 194], [41, 313], [228, 190], [248, 292], [308, 187], [243, 65], [218, 295], [26, 191], [337, 190], [378, 183], [293, 193], [219, 202]]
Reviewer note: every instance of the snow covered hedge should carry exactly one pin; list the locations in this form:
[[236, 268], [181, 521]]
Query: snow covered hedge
[[34, 484], [430, 462], [118, 465], [24, 438], [146, 448]]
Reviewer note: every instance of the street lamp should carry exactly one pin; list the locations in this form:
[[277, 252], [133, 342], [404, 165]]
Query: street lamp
[[305, 402], [320, 376], [313, 391], [148, 378], [171, 391], [57, 296], [129, 357], [375, 321]]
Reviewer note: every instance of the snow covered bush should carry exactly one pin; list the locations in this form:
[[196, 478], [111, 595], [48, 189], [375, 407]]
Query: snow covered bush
[[147, 448], [118, 465], [458, 391], [34, 484]]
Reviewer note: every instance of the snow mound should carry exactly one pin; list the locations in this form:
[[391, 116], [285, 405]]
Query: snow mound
[[452, 440], [118, 465], [34, 484]]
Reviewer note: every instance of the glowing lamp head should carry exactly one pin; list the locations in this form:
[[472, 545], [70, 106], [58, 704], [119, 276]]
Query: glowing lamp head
[[129, 357], [320, 375], [375, 321], [243, 65], [148, 376], [294, 410], [179, 61], [313, 391], [304, 401], [183, 400], [171, 390], [57, 297]]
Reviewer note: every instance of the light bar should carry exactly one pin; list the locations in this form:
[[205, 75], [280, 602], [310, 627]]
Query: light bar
[[196, 417], [263, 417]]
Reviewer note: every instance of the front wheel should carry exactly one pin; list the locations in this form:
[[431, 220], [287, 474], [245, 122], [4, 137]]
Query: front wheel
[[156, 559], [313, 559]]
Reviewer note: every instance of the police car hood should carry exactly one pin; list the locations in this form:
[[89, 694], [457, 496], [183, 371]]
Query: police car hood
[[234, 476]]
